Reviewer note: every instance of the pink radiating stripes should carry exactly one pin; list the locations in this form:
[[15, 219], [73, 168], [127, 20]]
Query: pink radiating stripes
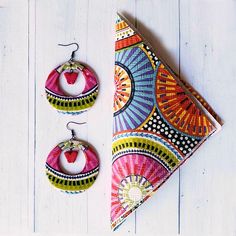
[[116, 174], [92, 160], [133, 164], [53, 158], [90, 78], [52, 83]]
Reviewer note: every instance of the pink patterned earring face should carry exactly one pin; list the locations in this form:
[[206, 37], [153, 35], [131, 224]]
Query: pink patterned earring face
[[66, 103], [72, 183]]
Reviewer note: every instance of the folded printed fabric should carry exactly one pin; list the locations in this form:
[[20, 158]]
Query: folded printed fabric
[[159, 121]]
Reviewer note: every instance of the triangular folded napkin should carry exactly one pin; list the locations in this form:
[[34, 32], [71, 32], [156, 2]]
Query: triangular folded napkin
[[159, 122]]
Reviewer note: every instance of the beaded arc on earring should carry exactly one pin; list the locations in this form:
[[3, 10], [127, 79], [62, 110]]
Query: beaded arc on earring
[[69, 104]]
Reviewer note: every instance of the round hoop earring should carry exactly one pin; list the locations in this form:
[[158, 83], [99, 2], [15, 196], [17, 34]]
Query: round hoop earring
[[68, 104], [72, 183]]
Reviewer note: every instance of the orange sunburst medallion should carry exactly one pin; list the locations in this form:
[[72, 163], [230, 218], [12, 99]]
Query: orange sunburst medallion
[[178, 108]]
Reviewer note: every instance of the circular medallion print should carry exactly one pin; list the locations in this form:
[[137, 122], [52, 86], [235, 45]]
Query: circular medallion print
[[124, 89], [134, 97], [132, 189], [177, 107], [134, 177]]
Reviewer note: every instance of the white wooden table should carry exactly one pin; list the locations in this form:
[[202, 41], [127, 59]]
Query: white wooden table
[[197, 38]]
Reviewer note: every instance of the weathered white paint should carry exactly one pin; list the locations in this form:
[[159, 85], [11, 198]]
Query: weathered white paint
[[197, 38]]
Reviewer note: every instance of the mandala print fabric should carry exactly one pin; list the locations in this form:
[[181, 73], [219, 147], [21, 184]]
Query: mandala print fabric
[[159, 121]]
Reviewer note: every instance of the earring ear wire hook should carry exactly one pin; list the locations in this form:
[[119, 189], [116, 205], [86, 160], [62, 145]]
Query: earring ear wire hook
[[73, 52], [72, 130]]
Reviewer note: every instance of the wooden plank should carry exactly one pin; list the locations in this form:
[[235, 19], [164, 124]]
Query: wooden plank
[[31, 114], [208, 62], [14, 117], [100, 56], [57, 22], [158, 22]]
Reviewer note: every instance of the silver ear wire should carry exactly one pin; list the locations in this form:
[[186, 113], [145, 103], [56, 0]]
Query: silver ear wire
[[72, 130], [73, 52]]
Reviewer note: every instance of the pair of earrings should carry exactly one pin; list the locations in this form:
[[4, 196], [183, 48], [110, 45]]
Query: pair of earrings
[[69, 150]]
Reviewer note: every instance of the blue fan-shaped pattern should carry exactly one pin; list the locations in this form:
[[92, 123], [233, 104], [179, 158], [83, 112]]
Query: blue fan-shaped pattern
[[138, 66]]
